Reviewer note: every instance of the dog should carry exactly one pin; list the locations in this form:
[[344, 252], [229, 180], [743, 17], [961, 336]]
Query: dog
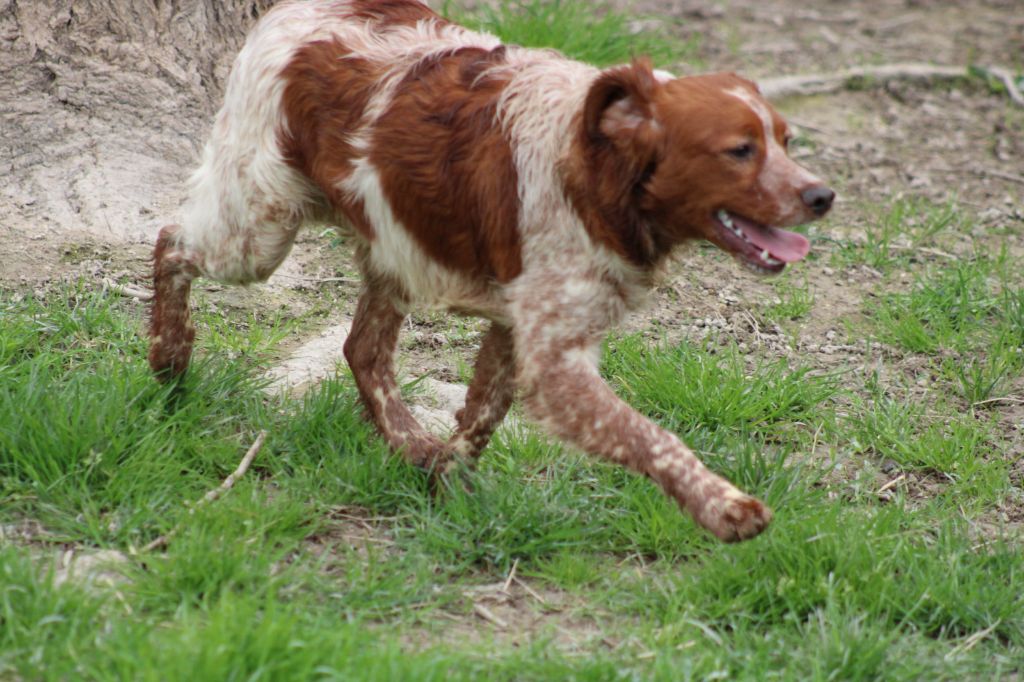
[[491, 180]]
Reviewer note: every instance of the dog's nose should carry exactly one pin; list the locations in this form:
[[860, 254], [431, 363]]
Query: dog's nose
[[818, 199]]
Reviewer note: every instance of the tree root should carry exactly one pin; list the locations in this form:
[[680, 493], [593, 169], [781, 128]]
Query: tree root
[[816, 84]]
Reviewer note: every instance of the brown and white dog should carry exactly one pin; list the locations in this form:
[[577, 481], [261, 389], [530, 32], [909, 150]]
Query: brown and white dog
[[491, 180]]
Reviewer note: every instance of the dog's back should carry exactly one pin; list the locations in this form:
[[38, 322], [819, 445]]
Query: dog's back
[[415, 131]]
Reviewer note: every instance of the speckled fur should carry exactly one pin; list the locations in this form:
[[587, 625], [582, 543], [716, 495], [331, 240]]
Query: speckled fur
[[570, 285]]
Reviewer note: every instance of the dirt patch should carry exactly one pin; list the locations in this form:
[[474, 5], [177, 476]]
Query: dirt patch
[[517, 612], [93, 569], [785, 36]]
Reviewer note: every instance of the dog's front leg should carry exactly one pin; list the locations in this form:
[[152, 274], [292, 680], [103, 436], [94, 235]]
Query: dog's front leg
[[557, 363], [370, 350], [489, 396]]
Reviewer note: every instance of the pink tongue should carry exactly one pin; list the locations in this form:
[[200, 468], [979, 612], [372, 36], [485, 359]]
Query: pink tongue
[[783, 245]]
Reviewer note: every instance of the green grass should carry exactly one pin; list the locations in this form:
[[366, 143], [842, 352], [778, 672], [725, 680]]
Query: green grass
[[909, 229], [332, 559], [957, 447], [794, 302], [949, 308], [268, 582], [690, 389], [587, 31], [967, 315]]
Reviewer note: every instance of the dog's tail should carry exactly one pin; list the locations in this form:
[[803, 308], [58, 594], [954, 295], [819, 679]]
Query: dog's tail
[[171, 333]]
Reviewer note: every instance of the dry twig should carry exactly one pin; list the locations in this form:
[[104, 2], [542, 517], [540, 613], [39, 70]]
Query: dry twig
[[816, 84], [973, 640], [212, 495], [532, 592], [924, 249], [319, 280], [1004, 399], [892, 484], [1008, 81], [127, 290], [985, 173], [511, 576], [488, 615]]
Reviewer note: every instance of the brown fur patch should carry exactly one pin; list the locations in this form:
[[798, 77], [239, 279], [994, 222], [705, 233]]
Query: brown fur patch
[[606, 172], [393, 12], [447, 168], [324, 100]]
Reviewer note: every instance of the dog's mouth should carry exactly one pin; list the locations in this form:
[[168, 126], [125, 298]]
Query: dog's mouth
[[762, 248]]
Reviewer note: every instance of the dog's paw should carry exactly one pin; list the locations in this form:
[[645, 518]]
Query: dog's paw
[[451, 473], [169, 360], [734, 516]]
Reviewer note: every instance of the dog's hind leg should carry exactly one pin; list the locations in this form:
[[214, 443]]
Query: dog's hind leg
[[370, 351], [242, 255], [489, 397], [171, 331]]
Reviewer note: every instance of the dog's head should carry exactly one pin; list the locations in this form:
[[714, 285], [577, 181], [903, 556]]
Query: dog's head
[[697, 157]]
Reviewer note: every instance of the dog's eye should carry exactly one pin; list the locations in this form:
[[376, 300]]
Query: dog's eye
[[742, 152]]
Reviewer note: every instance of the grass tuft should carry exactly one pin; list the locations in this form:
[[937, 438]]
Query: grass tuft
[[949, 309], [587, 31], [689, 389]]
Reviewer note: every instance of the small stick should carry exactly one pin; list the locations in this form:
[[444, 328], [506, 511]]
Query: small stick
[[1008, 82], [924, 249], [971, 641], [212, 495], [1012, 177], [1005, 399], [898, 22], [367, 538], [321, 280], [530, 591], [343, 280], [488, 615], [984, 172], [894, 482], [511, 576], [127, 290], [830, 82], [814, 443]]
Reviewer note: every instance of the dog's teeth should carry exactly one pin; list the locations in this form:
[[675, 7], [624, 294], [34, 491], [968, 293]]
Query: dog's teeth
[[765, 255], [726, 220]]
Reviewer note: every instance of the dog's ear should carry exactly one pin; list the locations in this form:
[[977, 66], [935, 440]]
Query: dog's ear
[[619, 105]]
